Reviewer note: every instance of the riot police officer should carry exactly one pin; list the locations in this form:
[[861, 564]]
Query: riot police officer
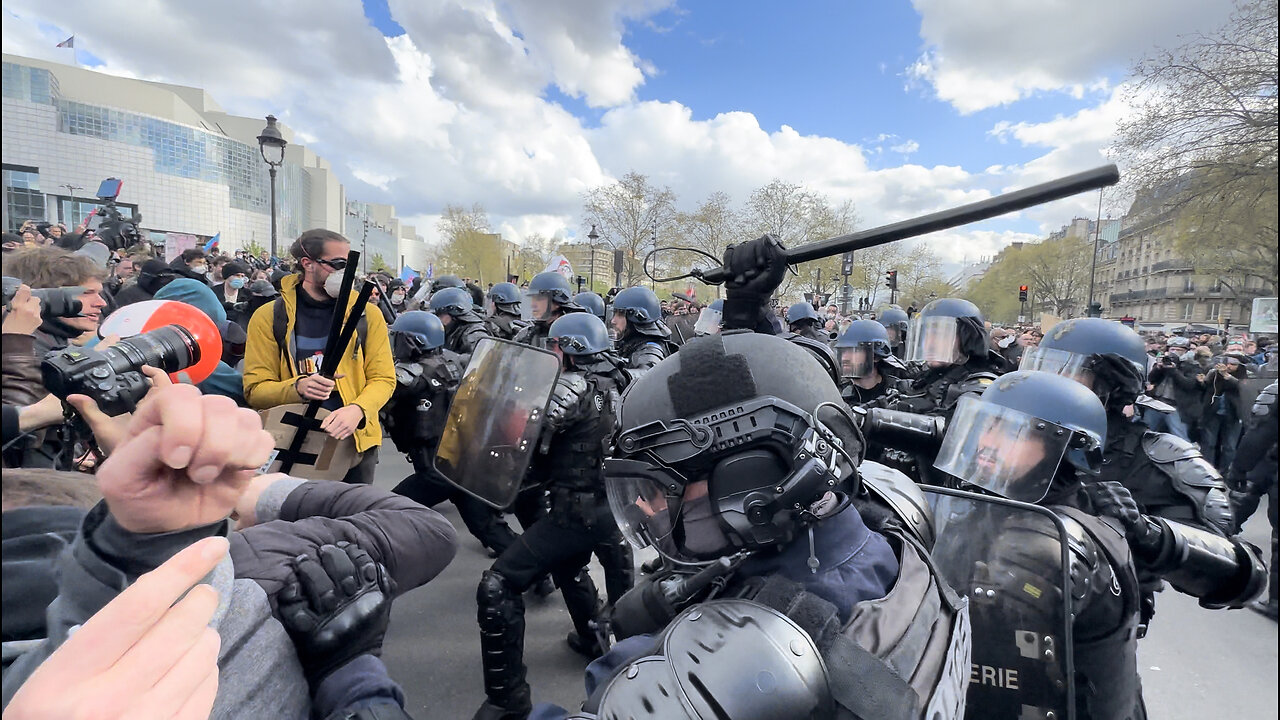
[[504, 311], [867, 364], [738, 463], [592, 303], [895, 321], [427, 375], [710, 319], [1253, 474], [580, 420], [1165, 474], [803, 320], [549, 297], [637, 320], [1033, 437], [463, 325]]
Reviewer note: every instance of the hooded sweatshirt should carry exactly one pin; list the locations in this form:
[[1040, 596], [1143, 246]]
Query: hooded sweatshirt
[[224, 380]]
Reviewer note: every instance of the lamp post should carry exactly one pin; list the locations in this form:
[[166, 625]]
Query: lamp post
[[593, 236], [272, 143]]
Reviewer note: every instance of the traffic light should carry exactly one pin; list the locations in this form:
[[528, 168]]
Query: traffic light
[[846, 264], [891, 279], [1022, 293]]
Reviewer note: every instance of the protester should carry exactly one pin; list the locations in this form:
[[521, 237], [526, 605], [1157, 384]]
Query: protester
[[235, 276], [1223, 411], [282, 359]]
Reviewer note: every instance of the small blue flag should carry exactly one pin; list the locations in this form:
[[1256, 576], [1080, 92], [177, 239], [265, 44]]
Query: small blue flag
[[407, 273]]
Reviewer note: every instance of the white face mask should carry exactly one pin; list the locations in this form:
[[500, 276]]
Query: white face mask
[[200, 270], [333, 284], [397, 298]]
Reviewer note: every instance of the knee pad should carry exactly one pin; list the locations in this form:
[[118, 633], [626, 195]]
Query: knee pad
[[493, 589]]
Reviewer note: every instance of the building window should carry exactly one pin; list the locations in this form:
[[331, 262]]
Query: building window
[[1188, 310], [22, 195], [1189, 285], [1215, 311]]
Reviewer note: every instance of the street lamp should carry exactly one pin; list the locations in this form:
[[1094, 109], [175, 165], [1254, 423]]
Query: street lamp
[[272, 143], [593, 236]]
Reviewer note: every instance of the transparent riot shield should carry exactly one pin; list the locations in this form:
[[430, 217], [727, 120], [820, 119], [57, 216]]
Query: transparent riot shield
[[496, 418], [1010, 559]]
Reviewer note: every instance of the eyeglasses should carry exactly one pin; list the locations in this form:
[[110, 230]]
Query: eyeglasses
[[336, 263]]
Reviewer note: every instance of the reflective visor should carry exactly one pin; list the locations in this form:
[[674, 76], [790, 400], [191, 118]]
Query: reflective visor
[[646, 503], [1007, 452], [535, 301], [858, 361], [933, 339], [709, 322], [1058, 362]]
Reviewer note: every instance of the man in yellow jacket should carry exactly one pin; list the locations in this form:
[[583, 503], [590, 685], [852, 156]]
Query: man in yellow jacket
[[286, 346]]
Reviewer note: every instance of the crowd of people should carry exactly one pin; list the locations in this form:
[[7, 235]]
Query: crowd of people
[[853, 506]]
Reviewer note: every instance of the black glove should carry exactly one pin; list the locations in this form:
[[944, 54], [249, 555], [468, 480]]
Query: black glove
[[756, 268], [336, 609], [1111, 499]]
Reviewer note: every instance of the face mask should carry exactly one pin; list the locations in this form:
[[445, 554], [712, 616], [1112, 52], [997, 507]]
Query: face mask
[[200, 270], [397, 298], [236, 283], [333, 284]]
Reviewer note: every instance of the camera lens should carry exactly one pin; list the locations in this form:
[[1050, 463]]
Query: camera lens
[[170, 348], [59, 302]]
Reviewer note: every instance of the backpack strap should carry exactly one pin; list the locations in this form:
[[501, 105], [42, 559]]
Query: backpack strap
[[280, 327]]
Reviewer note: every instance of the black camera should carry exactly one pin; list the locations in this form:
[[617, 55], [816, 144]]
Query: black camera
[[113, 376], [54, 302], [114, 230]]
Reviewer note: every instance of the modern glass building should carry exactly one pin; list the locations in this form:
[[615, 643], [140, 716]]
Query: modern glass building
[[190, 169]]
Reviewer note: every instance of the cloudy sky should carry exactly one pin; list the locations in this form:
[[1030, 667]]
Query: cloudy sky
[[521, 105]]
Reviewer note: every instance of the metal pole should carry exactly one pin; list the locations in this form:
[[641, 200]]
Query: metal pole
[[593, 267], [1093, 267], [273, 210]]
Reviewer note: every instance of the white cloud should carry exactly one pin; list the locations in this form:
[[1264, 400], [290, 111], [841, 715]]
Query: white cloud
[[906, 148], [985, 53]]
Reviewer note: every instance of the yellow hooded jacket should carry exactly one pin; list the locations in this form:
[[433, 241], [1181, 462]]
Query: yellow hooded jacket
[[370, 375]]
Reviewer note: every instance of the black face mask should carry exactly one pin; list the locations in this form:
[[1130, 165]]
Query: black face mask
[[153, 283]]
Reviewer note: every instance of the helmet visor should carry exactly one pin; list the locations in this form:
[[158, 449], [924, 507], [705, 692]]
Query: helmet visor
[[648, 505], [933, 339], [858, 361], [540, 307], [895, 332], [709, 322], [1006, 452], [1058, 362]]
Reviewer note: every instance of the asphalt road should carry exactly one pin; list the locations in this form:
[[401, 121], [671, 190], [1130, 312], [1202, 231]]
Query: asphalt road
[[1195, 663]]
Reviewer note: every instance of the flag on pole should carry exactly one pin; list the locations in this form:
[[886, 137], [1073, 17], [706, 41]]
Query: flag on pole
[[407, 273], [213, 242], [431, 270], [68, 43], [560, 264]]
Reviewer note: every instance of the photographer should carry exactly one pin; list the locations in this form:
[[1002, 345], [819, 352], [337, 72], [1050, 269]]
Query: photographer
[[1177, 383], [49, 267], [1220, 425]]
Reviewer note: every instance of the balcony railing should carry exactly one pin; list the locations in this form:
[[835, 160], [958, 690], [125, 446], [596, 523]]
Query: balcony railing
[[1171, 265], [1134, 295]]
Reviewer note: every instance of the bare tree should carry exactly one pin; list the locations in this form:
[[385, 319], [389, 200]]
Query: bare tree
[[798, 216], [631, 214], [469, 248]]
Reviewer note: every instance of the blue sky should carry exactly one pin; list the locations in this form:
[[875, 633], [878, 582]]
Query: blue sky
[[901, 107]]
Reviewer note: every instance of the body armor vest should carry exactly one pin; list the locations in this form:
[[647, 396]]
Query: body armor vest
[[505, 326], [420, 406], [1179, 486], [574, 460], [643, 351], [463, 336]]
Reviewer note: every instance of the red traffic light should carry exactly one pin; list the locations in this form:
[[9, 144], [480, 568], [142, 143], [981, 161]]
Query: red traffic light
[[1022, 288]]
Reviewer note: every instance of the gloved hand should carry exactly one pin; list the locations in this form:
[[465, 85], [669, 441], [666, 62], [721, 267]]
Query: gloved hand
[[336, 609], [1111, 499], [756, 268]]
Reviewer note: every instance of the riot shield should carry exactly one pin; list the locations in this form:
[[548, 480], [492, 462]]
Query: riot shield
[[496, 418], [1010, 559]]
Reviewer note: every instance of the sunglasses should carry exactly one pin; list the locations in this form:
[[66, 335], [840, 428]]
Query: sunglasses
[[336, 263]]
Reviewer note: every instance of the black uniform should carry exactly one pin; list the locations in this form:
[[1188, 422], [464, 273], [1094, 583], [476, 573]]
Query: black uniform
[[505, 325], [580, 421], [461, 336], [935, 391], [643, 351], [415, 419], [1253, 474]]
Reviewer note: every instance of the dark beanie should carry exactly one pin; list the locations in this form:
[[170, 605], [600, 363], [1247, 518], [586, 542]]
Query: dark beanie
[[234, 268]]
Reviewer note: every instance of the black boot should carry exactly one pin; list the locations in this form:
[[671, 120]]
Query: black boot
[[500, 614], [585, 644]]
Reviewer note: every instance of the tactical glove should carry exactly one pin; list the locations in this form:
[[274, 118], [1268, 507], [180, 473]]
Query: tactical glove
[[335, 609], [1111, 499]]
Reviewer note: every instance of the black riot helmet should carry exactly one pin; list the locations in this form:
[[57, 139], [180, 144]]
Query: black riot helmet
[[895, 321], [581, 337], [456, 302], [593, 303], [1103, 355], [860, 346], [727, 445], [505, 297], [800, 312], [643, 311], [1012, 439], [947, 331], [415, 333], [554, 287], [446, 281]]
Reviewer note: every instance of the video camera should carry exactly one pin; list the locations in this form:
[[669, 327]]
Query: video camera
[[113, 230], [54, 302], [113, 376]]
